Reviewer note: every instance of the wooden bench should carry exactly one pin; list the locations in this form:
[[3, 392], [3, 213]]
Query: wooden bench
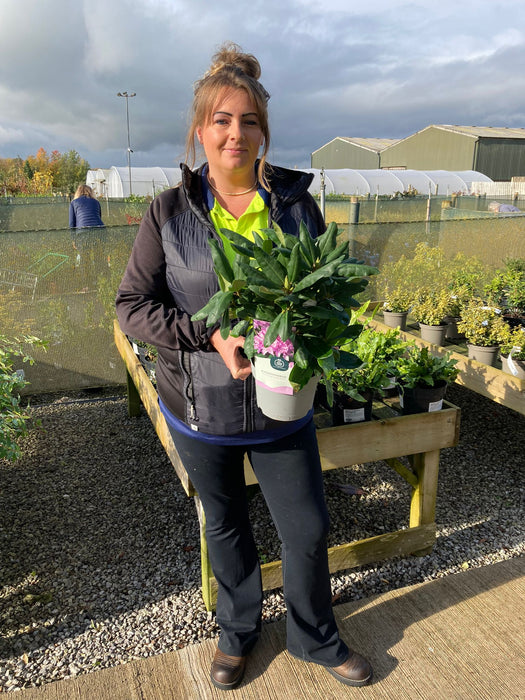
[[390, 436]]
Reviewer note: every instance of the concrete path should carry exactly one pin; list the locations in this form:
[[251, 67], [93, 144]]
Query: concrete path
[[460, 637]]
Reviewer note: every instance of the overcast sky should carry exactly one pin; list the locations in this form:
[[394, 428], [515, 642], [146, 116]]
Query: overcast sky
[[383, 68]]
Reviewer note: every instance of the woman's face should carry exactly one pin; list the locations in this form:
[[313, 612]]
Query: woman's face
[[232, 137]]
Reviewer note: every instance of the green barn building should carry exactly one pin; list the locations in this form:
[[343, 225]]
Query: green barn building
[[356, 153], [498, 152]]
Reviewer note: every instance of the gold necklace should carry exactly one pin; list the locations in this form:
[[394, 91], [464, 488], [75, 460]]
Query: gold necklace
[[232, 194]]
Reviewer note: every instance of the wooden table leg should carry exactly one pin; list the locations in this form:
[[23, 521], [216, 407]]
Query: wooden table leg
[[209, 585], [134, 401], [423, 500]]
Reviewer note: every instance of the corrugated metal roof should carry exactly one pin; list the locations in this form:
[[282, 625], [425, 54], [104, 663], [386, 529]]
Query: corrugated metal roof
[[496, 132], [371, 144]]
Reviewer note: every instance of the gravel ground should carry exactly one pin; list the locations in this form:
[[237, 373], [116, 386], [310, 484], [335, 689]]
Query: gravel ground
[[99, 545]]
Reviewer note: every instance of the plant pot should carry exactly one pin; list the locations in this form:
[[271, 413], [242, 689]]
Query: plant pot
[[510, 365], [487, 354], [348, 410], [395, 319], [433, 334], [150, 365], [275, 395], [422, 398], [452, 332], [514, 320]]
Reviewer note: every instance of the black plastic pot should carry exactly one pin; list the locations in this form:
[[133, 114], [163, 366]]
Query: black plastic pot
[[348, 410], [422, 398]]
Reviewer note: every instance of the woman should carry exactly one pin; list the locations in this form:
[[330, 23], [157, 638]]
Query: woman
[[205, 389], [84, 210]]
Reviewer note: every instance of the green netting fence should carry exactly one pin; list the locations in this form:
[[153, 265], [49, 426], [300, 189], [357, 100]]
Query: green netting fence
[[60, 285]]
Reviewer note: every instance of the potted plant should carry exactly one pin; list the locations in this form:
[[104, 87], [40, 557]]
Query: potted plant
[[485, 330], [354, 389], [507, 290], [422, 379], [396, 305], [513, 353], [431, 308], [303, 288]]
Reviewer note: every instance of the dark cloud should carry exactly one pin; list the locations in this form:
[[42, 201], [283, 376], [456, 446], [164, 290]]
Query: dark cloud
[[333, 69]]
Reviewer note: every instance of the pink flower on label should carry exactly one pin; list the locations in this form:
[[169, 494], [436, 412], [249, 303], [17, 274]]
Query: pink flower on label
[[279, 348]]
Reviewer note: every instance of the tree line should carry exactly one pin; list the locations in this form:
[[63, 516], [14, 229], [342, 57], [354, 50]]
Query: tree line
[[42, 174]]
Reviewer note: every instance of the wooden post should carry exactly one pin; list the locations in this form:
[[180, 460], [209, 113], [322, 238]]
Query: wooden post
[[209, 585], [423, 500], [134, 402]]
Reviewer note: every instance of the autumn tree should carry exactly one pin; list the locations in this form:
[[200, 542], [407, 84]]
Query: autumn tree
[[40, 174]]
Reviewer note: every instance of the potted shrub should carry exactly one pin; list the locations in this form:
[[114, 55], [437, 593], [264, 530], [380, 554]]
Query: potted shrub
[[507, 291], [354, 389], [303, 289], [396, 305], [485, 330], [422, 379], [431, 308], [513, 353]]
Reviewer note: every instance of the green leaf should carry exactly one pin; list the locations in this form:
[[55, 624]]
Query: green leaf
[[258, 239], [322, 312], [279, 325], [270, 267], [248, 348], [301, 355], [239, 243], [276, 236], [215, 308], [348, 360], [284, 330], [307, 242], [299, 377], [294, 265], [240, 328], [257, 277], [328, 240], [225, 324], [356, 270], [220, 261], [340, 251], [237, 285], [313, 277]]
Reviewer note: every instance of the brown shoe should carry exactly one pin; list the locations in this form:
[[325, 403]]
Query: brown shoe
[[227, 671], [355, 671]]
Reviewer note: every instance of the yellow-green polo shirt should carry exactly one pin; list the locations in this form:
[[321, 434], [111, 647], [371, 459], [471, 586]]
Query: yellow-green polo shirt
[[254, 218]]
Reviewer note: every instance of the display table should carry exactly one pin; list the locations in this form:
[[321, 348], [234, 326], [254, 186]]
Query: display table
[[387, 437], [488, 381]]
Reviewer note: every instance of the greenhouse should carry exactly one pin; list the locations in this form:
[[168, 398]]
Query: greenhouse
[[345, 181], [114, 183]]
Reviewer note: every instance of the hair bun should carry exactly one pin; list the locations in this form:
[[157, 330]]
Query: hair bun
[[230, 55]]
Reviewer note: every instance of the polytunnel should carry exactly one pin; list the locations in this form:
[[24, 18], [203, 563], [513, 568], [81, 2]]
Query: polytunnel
[[144, 181], [388, 182], [97, 180]]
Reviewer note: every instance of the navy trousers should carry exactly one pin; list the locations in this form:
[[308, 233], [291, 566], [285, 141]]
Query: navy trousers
[[289, 474]]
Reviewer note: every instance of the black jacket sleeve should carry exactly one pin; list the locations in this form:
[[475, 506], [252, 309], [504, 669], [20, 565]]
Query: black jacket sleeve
[[144, 304]]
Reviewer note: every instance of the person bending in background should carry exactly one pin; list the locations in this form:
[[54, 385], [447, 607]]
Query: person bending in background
[[85, 213], [84, 210]]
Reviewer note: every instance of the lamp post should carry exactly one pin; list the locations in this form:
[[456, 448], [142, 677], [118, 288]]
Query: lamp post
[[127, 96]]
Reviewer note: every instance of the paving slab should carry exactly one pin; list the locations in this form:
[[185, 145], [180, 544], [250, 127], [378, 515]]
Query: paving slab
[[459, 637]]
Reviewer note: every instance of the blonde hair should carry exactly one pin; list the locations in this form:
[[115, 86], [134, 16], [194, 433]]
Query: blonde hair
[[84, 191], [234, 70]]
